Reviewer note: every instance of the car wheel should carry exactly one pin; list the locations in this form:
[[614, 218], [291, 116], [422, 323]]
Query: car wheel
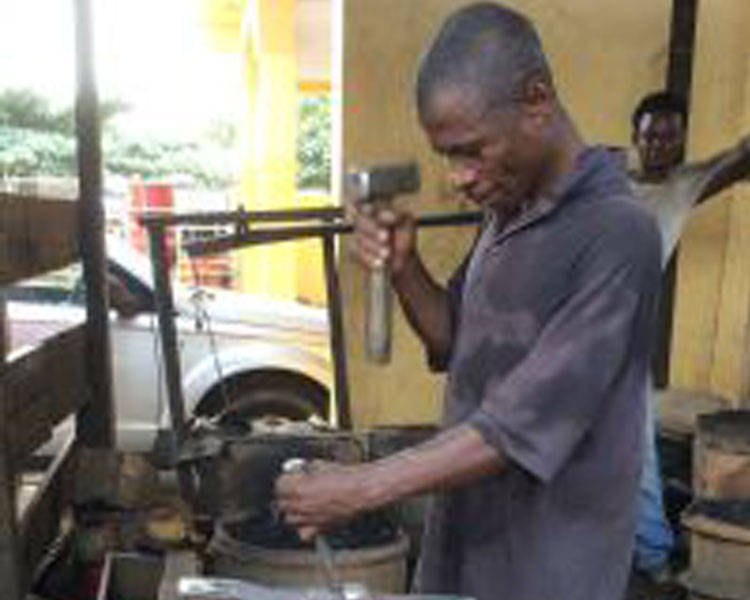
[[267, 395], [278, 402]]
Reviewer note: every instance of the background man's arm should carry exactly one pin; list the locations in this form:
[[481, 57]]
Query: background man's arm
[[723, 169]]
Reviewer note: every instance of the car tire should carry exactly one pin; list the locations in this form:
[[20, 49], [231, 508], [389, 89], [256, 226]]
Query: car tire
[[268, 395]]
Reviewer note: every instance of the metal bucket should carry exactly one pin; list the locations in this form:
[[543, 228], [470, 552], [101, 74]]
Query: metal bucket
[[380, 567]]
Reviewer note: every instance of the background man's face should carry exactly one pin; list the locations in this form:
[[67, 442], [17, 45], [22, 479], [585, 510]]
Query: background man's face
[[493, 161], [660, 141]]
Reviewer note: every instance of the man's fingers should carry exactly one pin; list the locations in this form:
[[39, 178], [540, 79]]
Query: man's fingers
[[370, 253], [307, 533]]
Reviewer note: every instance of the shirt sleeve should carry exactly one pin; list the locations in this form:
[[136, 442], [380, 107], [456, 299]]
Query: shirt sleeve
[[537, 414]]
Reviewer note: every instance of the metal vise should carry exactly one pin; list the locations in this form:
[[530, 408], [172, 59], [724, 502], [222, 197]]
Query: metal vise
[[378, 186]]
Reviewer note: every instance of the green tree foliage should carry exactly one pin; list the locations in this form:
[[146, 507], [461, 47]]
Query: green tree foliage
[[37, 139], [314, 144]]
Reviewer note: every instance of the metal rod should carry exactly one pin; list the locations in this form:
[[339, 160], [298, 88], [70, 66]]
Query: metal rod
[[95, 423], [240, 216], [337, 337], [223, 243], [170, 349]]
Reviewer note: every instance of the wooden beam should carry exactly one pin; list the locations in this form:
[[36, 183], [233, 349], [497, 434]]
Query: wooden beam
[[95, 423], [40, 522], [679, 81], [37, 235], [10, 581], [43, 387]]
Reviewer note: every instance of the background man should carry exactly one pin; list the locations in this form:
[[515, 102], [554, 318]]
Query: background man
[[670, 190], [544, 329]]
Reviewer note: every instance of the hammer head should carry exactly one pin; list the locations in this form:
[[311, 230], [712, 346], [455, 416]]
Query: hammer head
[[383, 182]]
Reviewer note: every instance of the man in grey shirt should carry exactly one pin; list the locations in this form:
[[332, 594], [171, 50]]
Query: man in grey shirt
[[544, 329], [670, 189]]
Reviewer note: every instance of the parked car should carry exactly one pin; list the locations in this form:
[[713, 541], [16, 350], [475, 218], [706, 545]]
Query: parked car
[[239, 353]]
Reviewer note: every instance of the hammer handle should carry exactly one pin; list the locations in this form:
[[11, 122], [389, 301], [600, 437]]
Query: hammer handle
[[378, 316]]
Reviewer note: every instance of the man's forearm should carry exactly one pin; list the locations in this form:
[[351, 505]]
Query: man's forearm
[[426, 306], [456, 457], [726, 169]]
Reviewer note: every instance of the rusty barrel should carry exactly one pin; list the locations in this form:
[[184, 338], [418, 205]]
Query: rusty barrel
[[378, 563], [722, 455]]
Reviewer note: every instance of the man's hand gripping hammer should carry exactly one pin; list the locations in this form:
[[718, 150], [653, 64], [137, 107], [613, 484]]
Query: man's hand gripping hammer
[[378, 186]]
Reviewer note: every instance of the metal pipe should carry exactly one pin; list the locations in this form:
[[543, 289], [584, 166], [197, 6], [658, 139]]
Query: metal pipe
[[223, 243], [95, 424], [240, 216], [337, 336], [165, 311]]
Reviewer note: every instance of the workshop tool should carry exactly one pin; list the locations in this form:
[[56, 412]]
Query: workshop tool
[[378, 186], [216, 588], [322, 547]]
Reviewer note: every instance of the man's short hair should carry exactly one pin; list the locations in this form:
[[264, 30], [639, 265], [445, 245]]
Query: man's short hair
[[659, 102], [486, 46]]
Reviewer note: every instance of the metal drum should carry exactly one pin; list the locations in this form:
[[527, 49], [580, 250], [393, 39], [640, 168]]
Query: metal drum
[[379, 563]]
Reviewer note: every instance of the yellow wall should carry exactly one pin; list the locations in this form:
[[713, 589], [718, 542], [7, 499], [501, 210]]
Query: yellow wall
[[311, 283], [605, 58], [710, 349]]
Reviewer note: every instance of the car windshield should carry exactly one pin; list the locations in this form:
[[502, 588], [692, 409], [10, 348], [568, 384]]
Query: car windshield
[[128, 278]]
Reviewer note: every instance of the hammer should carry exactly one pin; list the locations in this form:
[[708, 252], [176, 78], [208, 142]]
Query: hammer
[[378, 186]]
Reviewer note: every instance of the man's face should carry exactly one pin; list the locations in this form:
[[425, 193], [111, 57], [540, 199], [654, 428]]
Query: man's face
[[495, 156], [660, 141]]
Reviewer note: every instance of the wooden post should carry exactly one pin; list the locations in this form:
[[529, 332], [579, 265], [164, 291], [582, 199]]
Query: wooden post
[[4, 331], [10, 573], [679, 80], [95, 422]]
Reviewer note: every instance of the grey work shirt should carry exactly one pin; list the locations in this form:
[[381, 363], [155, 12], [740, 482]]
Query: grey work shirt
[[549, 364]]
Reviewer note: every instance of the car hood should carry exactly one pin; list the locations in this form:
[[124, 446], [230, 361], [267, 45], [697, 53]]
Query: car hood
[[226, 307]]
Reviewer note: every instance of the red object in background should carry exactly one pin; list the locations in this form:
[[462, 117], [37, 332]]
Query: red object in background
[[150, 197]]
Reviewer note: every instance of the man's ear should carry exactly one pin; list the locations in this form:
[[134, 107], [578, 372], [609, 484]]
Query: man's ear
[[538, 96]]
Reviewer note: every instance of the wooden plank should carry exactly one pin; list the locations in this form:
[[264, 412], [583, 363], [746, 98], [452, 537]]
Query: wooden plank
[[37, 235], [4, 330], [10, 583], [42, 388], [40, 522]]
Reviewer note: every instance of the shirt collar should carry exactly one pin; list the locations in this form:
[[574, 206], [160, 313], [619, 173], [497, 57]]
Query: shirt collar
[[595, 165]]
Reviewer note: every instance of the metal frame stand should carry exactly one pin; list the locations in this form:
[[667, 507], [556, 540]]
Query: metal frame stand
[[330, 223]]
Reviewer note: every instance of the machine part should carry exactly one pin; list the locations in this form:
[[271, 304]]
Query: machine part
[[378, 186], [236, 472]]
